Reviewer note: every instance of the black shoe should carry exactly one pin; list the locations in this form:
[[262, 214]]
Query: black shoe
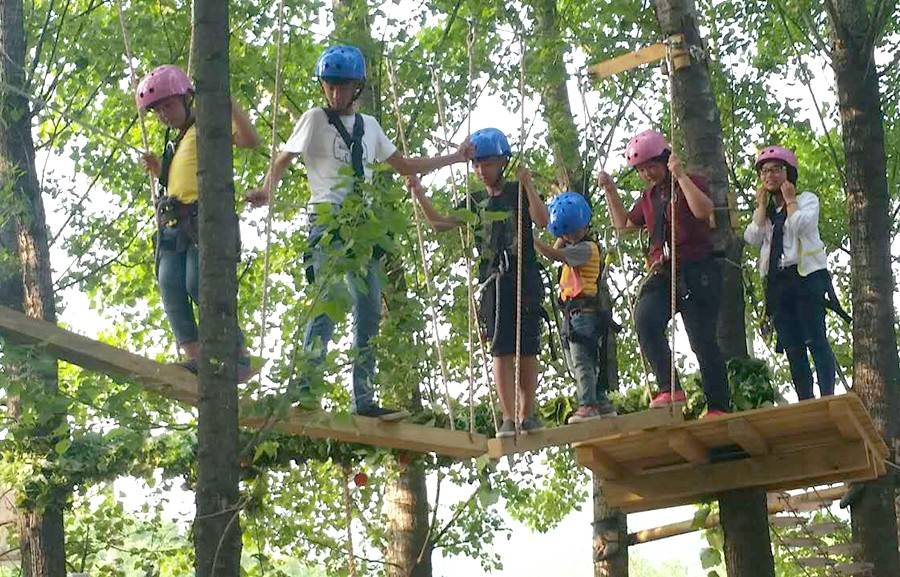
[[531, 425], [189, 364], [383, 413]]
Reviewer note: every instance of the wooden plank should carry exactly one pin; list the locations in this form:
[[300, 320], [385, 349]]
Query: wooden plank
[[629, 60], [744, 434], [823, 528], [370, 431], [846, 421], [689, 485], [599, 462], [589, 432], [807, 542], [784, 521], [854, 568], [815, 562], [686, 445], [844, 549], [170, 381]]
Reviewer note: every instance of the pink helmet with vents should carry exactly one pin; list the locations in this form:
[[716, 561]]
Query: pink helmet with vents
[[645, 146], [162, 82], [776, 152]]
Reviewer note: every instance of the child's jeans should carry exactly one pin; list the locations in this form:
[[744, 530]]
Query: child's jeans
[[582, 337], [178, 275], [365, 295]]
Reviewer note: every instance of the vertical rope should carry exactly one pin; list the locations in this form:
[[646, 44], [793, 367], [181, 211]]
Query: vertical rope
[[426, 269], [273, 187], [520, 242], [145, 141], [673, 288]]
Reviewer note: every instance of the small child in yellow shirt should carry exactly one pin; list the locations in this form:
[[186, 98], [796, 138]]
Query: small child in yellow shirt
[[586, 322]]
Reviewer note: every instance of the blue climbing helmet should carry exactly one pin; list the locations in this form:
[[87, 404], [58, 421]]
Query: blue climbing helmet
[[340, 64], [569, 212], [489, 142]]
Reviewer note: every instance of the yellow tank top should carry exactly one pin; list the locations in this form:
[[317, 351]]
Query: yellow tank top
[[183, 170], [581, 281]]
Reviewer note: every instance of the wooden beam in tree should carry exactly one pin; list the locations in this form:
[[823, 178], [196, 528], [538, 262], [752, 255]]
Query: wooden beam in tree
[[174, 382], [687, 445], [628, 61], [170, 381], [749, 439]]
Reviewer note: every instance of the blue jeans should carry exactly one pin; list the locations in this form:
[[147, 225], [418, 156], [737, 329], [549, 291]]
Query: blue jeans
[[178, 275], [365, 294], [581, 345]]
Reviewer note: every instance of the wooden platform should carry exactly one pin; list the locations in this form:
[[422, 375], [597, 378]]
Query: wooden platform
[[177, 383], [586, 432], [787, 447]]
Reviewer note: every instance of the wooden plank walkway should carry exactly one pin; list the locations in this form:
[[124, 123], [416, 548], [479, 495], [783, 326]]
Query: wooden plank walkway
[[177, 383], [786, 447]]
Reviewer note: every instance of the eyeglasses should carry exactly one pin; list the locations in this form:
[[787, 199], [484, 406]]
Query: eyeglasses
[[767, 170]]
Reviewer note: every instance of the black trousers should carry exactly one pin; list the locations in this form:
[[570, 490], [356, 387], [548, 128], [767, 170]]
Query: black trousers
[[698, 297], [797, 306]]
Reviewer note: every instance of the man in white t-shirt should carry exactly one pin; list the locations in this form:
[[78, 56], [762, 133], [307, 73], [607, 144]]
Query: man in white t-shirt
[[339, 147]]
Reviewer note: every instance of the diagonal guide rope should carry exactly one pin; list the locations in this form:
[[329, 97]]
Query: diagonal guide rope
[[130, 56]]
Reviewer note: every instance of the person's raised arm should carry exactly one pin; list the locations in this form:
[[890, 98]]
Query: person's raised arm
[[537, 209], [260, 196], [699, 202], [617, 212], [245, 135], [422, 165], [548, 251], [436, 220]]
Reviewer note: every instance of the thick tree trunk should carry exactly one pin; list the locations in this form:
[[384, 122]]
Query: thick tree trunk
[[748, 549], [550, 51], [875, 359], [217, 527], [408, 554], [610, 544], [40, 530]]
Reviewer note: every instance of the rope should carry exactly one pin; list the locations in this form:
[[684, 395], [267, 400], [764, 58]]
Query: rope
[[673, 257], [465, 239], [128, 54], [273, 185], [429, 285], [520, 242]]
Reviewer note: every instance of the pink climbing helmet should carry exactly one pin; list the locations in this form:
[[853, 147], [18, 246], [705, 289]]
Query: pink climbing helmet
[[776, 152], [162, 82], [645, 146]]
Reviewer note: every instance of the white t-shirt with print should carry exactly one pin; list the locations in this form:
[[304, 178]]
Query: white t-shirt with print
[[327, 158]]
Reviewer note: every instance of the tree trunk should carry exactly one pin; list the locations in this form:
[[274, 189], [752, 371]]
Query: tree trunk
[[610, 544], [875, 359], [550, 64], [217, 526], [409, 549], [748, 549], [41, 532]]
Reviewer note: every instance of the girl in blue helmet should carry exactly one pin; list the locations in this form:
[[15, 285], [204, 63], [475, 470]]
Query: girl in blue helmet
[[586, 319], [496, 238], [330, 140]]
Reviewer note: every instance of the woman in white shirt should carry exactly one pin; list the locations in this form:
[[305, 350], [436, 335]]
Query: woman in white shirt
[[792, 261]]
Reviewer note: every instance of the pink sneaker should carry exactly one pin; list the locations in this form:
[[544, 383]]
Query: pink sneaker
[[584, 413], [665, 398], [714, 414]]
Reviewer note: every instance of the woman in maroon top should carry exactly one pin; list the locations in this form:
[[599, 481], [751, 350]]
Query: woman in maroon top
[[699, 279]]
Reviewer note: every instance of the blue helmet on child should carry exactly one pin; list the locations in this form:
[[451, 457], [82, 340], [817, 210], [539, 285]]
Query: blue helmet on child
[[489, 142], [569, 212], [339, 64]]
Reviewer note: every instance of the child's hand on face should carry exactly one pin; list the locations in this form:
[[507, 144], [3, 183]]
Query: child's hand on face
[[788, 191], [762, 196], [151, 163]]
